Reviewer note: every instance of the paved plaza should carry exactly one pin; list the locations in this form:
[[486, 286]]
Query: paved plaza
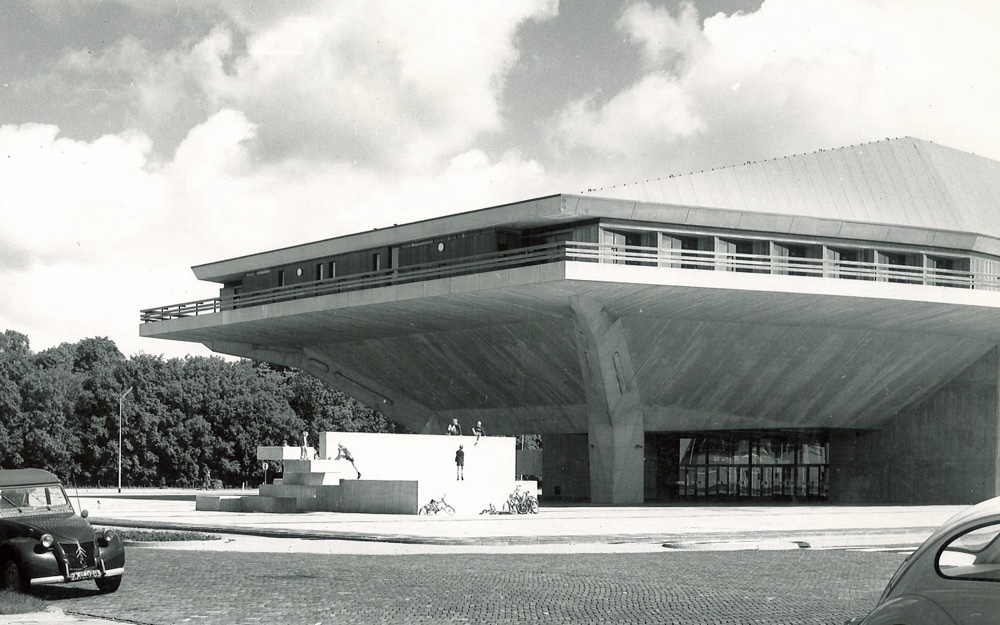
[[567, 564], [165, 587]]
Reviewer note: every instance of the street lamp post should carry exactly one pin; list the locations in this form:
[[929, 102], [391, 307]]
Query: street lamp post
[[121, 400]]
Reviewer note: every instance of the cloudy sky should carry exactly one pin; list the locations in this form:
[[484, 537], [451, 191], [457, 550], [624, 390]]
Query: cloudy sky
[[141, 137]]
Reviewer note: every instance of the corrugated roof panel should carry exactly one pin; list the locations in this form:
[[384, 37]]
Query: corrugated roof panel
[[816, 163], [756, 186], [661, 194], [897, 196], [650, 191], [861, 209], [752, 200], [903, 182], [779, 191], [702, 190], [734, 195], [929, 184], [921, 208], [809, 205], [684, 187], [844, 186], [973, 183], [868, 160]]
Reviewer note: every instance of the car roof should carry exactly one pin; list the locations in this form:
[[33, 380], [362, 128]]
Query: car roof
[[26, 477]]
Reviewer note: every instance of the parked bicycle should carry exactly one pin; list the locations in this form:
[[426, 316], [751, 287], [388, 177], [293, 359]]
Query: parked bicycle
[[493, 510], [521, 502], [434, 506]]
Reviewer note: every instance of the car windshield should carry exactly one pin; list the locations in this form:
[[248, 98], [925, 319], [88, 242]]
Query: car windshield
[[29, 499]]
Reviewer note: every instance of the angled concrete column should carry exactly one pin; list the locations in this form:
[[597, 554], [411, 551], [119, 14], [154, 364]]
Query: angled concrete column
[[614, 407]]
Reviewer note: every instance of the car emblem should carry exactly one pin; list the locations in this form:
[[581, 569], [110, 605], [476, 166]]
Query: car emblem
[[81, 555]]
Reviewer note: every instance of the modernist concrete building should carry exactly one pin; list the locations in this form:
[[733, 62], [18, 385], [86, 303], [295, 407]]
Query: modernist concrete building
[[822, 326]]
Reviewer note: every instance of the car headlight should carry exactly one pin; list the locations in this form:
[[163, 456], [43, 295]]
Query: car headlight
[[106, 537], [47, 541]]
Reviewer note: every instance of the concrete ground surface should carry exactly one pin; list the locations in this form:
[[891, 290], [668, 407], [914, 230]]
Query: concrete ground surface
[[556, 529]]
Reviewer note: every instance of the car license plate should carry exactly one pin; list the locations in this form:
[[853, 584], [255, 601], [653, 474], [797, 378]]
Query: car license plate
[[76, 576]]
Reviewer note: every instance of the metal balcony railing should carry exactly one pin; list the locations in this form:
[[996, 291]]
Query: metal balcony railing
[[587, 252]]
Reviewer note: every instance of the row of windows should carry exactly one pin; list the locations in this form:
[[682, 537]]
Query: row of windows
[[753, 255], [659, 248]]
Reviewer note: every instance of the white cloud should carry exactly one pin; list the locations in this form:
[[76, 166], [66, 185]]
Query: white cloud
[[67, 199], [387, 83], [95, 232], [662, 36], [810, 74], [644, 118]]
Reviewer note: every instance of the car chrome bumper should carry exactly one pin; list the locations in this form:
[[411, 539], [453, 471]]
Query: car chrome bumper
[[62, 579]]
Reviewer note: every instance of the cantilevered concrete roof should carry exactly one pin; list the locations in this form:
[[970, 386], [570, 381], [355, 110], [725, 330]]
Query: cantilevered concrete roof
[[905, 182]]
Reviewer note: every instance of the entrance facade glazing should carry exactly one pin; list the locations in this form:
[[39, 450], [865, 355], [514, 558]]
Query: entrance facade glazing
[[786, 465]]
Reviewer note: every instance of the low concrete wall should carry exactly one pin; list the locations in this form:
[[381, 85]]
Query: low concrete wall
[[379, 496], [283, 453], [419, 456], [472, 498], [212, 503]]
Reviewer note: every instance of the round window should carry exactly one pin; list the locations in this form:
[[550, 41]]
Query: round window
[[298, 271], [440, 247]]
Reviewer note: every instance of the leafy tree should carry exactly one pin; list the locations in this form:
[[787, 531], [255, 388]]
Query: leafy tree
[[183, 418], [15, 356]]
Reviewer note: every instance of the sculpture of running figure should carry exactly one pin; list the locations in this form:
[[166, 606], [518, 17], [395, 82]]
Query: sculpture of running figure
[[342, 452]]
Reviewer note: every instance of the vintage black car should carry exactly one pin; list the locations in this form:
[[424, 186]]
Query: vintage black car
[[43, 541]]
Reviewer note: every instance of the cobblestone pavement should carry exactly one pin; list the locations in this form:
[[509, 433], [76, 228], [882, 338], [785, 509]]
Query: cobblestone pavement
[[805, 586]]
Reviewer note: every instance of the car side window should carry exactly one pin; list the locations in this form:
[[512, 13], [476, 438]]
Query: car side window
[[972, 555]]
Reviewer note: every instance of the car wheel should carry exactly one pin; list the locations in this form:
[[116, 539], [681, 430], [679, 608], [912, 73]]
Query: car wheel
[[13, 580], [109, 584]]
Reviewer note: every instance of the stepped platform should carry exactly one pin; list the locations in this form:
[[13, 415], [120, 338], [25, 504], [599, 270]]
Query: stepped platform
[[383, 474]]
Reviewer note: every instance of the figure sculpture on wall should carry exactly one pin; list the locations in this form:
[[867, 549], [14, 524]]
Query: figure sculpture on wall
[[342, 452], [304, 452]]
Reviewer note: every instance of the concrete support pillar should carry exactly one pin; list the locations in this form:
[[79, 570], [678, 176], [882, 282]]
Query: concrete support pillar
[[614, 407]]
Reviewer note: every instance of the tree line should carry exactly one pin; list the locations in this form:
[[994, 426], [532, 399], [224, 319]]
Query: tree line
[[184, 418]]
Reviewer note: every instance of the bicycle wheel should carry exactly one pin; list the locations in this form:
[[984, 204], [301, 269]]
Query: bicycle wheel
[[447, 508]]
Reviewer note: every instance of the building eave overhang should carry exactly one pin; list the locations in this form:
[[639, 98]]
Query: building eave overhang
[[525, 214], [553, 209]]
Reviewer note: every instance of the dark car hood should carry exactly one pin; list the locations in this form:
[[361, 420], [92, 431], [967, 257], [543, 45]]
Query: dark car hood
[[65, 527]]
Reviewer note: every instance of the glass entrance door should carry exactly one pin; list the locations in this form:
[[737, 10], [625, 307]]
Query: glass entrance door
[[729, 465]]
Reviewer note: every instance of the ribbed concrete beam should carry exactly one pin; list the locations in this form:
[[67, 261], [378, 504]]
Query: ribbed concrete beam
[[391, 403], [343, 378], [614, 407]]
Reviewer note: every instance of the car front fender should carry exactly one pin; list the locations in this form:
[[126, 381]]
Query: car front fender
[[113, 554], [908, 609], [34, 560]]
